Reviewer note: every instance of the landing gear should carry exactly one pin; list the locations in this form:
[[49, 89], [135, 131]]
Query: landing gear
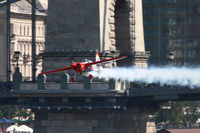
[[73, 80], [90, 76]]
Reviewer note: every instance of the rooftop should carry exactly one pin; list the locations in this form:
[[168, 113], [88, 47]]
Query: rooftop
[[24, 7]]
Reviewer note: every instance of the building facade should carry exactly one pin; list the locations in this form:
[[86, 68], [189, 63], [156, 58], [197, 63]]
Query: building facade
[[171, 27], [21, 38]]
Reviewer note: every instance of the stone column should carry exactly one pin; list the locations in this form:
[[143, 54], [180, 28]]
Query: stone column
[[140, 55], [94, 121], [139, 30]]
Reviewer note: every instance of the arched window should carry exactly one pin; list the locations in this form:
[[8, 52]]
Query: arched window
[[122, 29]]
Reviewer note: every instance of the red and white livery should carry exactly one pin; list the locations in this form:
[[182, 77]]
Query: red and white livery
[[87, 65]]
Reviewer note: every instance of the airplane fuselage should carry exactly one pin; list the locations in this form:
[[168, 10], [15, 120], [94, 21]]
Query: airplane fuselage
[[80, 67]]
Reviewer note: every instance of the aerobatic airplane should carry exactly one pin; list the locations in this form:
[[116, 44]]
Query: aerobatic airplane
[[86, 66]]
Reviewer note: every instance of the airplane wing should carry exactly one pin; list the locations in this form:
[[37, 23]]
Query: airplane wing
[[101, 61], [57, 70]]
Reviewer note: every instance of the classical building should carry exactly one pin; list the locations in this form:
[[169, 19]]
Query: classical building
[[21, 38], [171, 27]]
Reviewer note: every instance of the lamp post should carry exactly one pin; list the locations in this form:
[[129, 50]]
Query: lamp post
[[16, 54], [167, 107], [171, 58], [33, 41], [8, 39]]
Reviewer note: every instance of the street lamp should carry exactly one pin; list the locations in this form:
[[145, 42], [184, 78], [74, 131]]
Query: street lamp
[[16, 55], [171, 57], [166, 107]]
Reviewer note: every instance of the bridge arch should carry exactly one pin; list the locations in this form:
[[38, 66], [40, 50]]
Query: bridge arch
[[122, 27], [122, 13]]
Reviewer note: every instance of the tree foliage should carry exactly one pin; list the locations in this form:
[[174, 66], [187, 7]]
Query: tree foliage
[[176, 114], [192, 112], [10, 111], [180, 113]]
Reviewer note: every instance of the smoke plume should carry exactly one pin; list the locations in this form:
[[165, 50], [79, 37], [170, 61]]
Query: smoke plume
[[166, 75]]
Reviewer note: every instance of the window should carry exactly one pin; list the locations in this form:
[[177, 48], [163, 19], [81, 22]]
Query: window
[[150, 32], [179, 53], [149, 1], [11, 28], [194, 21], [38, 30], [28, 31], [194, 1], [24, 30], [25, 50], [42, 31], [174, 1], [20, 47], [173, 10], [172, 21], [149, 10], [194, 9], [20, 30], [150, 21]]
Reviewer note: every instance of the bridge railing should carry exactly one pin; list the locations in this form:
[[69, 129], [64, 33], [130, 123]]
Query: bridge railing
[[5, 87], [65, 85]]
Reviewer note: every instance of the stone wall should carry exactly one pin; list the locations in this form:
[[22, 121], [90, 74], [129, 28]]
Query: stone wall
[[73, 25], [94, 121]]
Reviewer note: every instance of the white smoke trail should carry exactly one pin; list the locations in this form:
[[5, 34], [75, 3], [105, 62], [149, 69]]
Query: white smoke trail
[[165, 75]]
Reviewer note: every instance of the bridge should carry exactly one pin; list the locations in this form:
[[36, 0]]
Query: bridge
[[89, 96], [28, 93], [113, 27], [107, 94]]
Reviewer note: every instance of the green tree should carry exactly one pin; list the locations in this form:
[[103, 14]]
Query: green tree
[[10, 111], [176, 114], [191, 112], [180, 113], [160, 116]]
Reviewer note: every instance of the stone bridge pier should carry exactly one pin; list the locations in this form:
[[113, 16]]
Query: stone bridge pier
[[94, 121], [89, 107], [75, 30]]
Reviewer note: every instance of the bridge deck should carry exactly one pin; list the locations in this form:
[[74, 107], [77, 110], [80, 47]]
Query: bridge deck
[[92, 95], [69, 93]]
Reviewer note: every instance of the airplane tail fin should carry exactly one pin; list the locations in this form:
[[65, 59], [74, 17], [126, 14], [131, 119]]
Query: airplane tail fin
[[97, 57]]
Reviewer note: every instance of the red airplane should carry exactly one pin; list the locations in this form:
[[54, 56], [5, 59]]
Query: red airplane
[[80, 67]]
